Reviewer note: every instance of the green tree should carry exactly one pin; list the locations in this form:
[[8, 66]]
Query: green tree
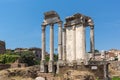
[[28, 57], [55, 57], [47, 58]]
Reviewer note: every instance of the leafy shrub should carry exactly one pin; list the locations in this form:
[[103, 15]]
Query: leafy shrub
[[28, 57], [8, 58], [48, 57]]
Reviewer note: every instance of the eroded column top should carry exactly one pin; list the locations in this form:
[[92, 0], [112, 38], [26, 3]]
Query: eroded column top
[[78, 19], [51, 17]]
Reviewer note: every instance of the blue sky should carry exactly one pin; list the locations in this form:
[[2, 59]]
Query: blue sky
[[20, 21]]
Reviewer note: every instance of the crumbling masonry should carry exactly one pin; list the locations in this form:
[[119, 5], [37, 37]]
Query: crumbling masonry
[[71, 40]]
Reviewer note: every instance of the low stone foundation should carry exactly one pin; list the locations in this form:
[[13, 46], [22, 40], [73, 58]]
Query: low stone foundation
[[97, 70], [18, 65], [4, 66]]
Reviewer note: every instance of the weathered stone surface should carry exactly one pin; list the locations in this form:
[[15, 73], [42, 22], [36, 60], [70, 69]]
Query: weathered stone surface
[[80, 43], [51, 17], [2, 47], [77, 75], [69, 44], [42, 66], [50, 66]]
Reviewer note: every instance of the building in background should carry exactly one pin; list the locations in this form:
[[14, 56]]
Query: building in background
[[36, 51], [19, 50], [2, 47]]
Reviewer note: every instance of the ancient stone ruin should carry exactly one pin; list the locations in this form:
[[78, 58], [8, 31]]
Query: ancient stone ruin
[[51, 18], [72, 48], [2, 47], [71, 45], [76, 39]]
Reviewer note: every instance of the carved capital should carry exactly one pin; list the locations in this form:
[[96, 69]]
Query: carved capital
[[51, 25], [64, 29], [60, 22], [92, 27], [74, 27], [43, 27]]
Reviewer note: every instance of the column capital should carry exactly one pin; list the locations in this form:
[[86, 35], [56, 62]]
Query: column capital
[[60, 22], [73, 27], [43, 27], [64, 29], [51, 24], [92, 27]]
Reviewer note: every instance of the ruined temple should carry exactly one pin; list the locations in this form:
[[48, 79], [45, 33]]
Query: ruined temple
[[71, 39]]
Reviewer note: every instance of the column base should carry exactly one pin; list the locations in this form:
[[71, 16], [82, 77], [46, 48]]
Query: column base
[[42, 67], [51, 66], [60, 63]]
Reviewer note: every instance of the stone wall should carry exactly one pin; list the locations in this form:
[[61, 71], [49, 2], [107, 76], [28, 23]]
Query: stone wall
[[115, 65], [2, 47], [97, 70], [18, 65], [4, 66]]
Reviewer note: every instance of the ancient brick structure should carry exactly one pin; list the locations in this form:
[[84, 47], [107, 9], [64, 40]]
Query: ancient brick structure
[[2, 47]]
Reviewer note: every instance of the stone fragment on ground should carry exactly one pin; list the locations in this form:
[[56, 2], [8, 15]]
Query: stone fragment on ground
[[39, 78]]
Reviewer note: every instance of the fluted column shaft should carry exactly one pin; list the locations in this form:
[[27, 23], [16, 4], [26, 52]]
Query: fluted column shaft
[[83, 42], [92, 46], [60, 41], [43, 43], [74, 42], [64, 44], [51, 42]]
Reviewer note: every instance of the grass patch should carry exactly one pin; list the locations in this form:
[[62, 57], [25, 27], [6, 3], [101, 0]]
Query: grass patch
[[115, 78]]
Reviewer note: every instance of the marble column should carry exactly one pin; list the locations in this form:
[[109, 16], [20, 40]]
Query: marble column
[[74, 43], [83, 43], [92, 46], [51, 48], [60, 41], [51, 42], [64, 44], [42, 66], [60, 53], [43, 43]]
